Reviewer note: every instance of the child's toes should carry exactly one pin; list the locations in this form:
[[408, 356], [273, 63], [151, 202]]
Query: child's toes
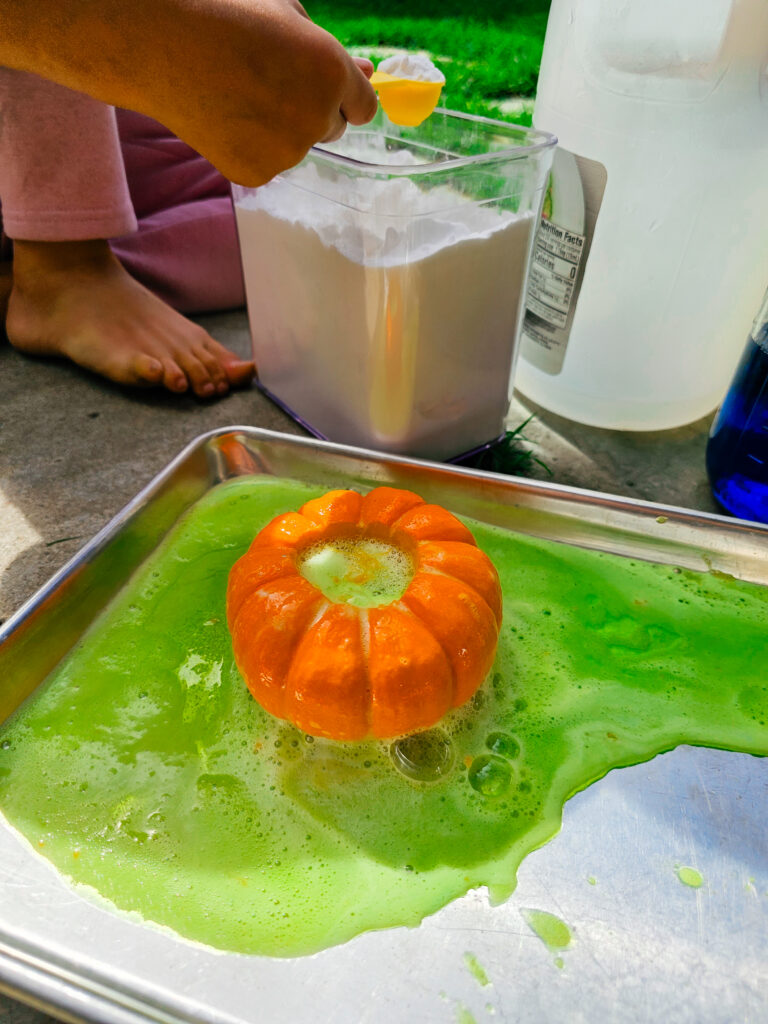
[[198, 375], [174, 378], [239, 372], [147, 369], [214, 369]]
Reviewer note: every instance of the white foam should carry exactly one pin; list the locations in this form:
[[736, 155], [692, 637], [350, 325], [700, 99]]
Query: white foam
[[377, 222], [416, 67], [335, 566]]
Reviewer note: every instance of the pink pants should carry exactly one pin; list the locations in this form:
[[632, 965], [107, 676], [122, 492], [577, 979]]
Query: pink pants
[[72, 168]]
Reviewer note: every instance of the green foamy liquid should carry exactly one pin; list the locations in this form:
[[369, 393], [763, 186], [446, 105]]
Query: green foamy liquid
[[361, 571], [143, 768]]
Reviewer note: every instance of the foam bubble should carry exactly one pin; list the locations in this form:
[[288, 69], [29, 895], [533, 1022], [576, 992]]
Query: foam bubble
[[361, 571], [416, 67], [424, 756]]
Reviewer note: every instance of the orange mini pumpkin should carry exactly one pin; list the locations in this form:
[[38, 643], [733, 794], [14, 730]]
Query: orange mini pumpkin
[[347, 672]]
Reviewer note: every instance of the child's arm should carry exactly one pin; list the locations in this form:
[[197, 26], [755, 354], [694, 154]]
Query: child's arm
[[250, 84]]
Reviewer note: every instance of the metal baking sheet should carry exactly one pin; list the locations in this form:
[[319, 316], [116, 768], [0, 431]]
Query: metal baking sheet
[[646, 947]]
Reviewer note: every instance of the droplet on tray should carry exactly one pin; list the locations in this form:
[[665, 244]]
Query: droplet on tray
[[690, 877], [554, 933], [424, 756], [490, 775], [503, 744]]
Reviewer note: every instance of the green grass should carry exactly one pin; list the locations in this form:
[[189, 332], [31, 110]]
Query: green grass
[[489, 51], [509, 455]]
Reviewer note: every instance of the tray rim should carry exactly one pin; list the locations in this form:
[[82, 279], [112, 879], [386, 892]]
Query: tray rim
[[514, 483], [30, 974]]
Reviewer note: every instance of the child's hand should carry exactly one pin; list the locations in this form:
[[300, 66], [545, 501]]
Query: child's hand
[[250, 84], [270, 84]]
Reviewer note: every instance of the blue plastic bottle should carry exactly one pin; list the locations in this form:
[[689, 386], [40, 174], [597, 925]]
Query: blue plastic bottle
[[737, 451]]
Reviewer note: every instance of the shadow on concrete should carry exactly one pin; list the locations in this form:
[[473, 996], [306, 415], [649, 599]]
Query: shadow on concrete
[[75, 448]]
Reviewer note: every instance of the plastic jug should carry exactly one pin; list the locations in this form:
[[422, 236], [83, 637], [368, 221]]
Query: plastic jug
[[671, 96]]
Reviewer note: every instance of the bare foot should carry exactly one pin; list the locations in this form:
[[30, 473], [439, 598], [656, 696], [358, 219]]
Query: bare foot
[[75, 299]]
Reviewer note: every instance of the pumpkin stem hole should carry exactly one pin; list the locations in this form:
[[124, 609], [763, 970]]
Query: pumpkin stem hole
[[360, 571]]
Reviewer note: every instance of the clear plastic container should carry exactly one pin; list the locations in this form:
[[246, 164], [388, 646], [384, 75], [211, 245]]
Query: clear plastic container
[[671, 96], [385, 279]]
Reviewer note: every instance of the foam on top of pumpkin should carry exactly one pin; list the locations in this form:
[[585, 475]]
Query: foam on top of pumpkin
[[361, 571]]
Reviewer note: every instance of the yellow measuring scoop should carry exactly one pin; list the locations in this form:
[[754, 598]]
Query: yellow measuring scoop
[[406, 101]]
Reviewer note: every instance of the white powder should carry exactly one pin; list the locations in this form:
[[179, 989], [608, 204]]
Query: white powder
[[385, 316], [377, 222], [416, 67]]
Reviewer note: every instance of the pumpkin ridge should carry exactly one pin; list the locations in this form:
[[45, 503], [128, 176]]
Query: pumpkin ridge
[[442, 526], [323, 511], [409, 611], [321, 610], [430, 569], [395, 492], [288, 570], [303, 678], [394, 526], [262, 624], [365, 642], [285, 521]]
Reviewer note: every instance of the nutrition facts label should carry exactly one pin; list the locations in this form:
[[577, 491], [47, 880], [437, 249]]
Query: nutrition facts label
[[559, 257], [556, 258]]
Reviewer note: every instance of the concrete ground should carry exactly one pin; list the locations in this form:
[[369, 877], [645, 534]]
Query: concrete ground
[[74, 449]]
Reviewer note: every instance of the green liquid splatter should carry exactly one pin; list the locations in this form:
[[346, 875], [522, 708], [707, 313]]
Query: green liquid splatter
[[691, 877], [554, 933], [144, 769], [476, 969]]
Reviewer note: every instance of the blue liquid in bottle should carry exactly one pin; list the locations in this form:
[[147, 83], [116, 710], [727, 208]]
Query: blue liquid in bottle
[[737, 451]]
